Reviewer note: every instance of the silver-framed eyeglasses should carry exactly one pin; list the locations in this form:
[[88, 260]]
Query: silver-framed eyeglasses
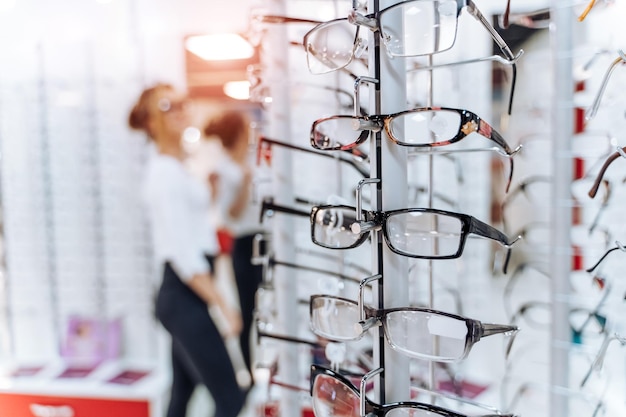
[[408, 28], [416, 332]]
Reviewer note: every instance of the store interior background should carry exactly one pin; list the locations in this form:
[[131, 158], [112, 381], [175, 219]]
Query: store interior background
[[73, 231]]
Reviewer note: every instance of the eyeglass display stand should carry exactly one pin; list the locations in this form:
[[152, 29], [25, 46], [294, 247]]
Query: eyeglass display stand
[[282, 238], [390, 166], [562, 131]]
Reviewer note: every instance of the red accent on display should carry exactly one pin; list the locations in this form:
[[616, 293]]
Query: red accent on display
[[21, 405], [579, 168], [577, 258], [271, 410], [579, 120]]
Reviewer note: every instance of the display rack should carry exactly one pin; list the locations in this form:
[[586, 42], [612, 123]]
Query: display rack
[[386, 87]]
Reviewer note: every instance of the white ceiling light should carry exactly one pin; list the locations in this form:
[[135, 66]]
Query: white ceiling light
[[239, 90], [219, 47]]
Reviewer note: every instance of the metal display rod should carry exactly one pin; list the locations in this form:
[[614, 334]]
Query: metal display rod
[[390, 166], [562, 131]]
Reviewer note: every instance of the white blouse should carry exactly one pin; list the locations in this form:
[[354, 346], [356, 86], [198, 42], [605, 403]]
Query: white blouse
[[230, 181], [177, 204]]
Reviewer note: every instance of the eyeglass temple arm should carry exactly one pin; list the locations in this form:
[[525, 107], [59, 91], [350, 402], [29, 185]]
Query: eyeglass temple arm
[[507, 13], [273, 262], [483, 229], [596, 184], [618, 246], [497, 138], [286, 338], [593, 109], [599, 359], [463, 400], [268, 205], [508, 54], [354, 152], [280, 19], [473, 10], [585, 12], [497, 58]]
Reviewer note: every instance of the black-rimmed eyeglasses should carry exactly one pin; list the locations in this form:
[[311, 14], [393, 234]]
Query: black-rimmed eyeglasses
[[414, 232]]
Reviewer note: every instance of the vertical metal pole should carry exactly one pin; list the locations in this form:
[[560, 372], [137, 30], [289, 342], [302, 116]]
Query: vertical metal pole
[[391, 167], [277, 64], [562, 131]]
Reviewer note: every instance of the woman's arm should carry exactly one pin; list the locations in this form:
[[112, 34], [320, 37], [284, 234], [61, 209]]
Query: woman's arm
[[204, 286], [240, 202]]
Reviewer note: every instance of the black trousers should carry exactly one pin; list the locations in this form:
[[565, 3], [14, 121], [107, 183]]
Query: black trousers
[[199, 354], [248, 277]]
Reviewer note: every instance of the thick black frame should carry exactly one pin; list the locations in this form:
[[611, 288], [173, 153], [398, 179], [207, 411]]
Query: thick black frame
[[475, 328], [470, 225]]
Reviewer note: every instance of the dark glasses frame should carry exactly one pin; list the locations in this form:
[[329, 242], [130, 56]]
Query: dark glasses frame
[[371, 317], [470, 225]]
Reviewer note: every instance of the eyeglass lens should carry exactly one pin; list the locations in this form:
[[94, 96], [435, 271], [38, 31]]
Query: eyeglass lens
[[331, 397], [330, 46], [419, 27], [424, 234], [331, 227]]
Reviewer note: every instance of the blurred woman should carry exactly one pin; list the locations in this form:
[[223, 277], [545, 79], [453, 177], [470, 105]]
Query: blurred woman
[[177, 206], [239, 213]]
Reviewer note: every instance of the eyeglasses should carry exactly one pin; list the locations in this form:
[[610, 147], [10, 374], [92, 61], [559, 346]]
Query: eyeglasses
[[584, 323], [599, 178], [599, 359], [414, 232], [424, 128], [618, 246], [593, 109], [409, 28], [258, 20], [334, 395], [416, 332]]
